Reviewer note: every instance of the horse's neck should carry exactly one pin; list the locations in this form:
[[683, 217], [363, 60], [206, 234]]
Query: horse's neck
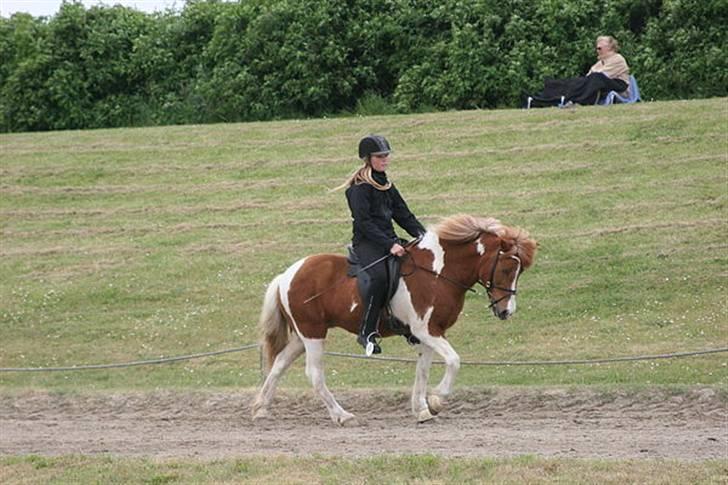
[[456, 262]]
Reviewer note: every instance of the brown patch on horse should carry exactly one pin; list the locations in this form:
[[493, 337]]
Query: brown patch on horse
[[324, 275], [462, 275]]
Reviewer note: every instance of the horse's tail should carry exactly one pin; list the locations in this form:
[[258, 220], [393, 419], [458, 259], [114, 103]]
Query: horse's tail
[[273, 324]]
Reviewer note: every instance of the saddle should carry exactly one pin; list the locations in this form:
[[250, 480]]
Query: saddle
[[388, 319]]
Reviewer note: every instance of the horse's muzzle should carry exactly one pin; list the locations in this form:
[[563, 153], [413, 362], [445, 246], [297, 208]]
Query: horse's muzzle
[[501, 314]]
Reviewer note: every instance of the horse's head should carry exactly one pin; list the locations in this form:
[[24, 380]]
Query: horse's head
[[504, 253], [500, 267]]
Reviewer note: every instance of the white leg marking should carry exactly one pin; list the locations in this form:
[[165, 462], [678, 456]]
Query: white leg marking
[[452, 363], [315, 372], [404, 310], [419, 390], [432, 243], [283, 360]]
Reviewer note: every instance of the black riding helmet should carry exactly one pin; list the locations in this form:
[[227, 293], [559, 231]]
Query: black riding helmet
[[373, 145]]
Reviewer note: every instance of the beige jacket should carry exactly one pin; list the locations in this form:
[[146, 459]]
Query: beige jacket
[[614, 67]]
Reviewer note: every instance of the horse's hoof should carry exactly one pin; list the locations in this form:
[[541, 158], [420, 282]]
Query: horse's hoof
[[261, 414], [424, 416], [347, 420], [435, 403]]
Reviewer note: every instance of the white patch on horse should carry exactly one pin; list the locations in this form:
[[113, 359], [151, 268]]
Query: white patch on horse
[[432, 243], [403, 309], [353, 306], [480, 247], [285, 286]]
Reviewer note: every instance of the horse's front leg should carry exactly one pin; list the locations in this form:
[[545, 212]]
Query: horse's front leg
[[419, 392], [436, 401], [315, 372]]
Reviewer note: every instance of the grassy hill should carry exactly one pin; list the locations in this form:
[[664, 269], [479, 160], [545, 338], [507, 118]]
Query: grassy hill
[[120, 245]]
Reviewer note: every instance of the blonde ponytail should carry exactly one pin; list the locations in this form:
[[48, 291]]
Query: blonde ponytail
[[363, 175]]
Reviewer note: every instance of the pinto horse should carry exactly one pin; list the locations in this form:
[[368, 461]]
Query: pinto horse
[[314, 295]]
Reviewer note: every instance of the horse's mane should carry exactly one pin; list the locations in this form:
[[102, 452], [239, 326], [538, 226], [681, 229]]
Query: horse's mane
[[463, 228]]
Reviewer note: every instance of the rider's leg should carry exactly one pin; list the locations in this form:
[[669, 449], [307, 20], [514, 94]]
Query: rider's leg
[[373, 289], [373, 301]]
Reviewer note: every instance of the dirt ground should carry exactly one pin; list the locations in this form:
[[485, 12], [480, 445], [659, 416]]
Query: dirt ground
[[686, 425]]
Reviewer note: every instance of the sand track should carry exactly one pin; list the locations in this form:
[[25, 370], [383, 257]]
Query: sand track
[[686, 425]]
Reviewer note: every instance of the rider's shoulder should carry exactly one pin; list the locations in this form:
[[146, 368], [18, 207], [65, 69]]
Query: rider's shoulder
[[360, 188]]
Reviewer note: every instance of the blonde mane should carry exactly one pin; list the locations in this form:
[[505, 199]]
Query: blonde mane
[[463, 228]]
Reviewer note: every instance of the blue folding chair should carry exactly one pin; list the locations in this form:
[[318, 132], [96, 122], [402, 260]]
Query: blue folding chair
[[633, 95]]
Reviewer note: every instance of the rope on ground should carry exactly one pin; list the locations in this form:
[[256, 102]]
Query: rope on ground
[[167, 360], [543, 362], [164, 360]]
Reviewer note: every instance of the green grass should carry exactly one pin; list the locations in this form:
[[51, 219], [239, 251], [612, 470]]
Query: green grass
[[428, 469], [119, 245]]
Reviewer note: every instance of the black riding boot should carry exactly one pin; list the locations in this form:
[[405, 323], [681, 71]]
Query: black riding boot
[[368, 331]]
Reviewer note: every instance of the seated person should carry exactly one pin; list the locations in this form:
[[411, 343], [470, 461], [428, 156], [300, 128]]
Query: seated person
[[609, 73]]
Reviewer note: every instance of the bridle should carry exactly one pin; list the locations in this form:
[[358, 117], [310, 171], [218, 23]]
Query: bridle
[[490, 286]]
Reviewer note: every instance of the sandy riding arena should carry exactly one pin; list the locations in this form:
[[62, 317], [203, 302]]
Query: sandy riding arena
[[686, 425]]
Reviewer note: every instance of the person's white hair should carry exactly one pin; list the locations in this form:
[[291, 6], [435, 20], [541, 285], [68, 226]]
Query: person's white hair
[[611, 42]]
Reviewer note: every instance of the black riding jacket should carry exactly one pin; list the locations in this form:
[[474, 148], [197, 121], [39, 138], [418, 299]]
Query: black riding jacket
[[372, 212]]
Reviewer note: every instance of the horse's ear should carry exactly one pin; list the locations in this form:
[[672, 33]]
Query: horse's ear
[[507, 245]]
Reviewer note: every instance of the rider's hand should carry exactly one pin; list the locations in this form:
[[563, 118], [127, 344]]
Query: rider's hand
[[397, 250]]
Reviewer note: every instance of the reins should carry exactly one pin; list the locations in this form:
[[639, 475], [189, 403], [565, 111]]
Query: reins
[[345, 277], [438, 275], [337, 282], [488, 285]]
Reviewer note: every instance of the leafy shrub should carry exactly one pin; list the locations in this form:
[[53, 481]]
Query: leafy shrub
[[267, 59]]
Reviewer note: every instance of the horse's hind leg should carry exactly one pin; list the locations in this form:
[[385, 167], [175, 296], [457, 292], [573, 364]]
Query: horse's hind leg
[[283, 360], [315, 372], [420, 408]]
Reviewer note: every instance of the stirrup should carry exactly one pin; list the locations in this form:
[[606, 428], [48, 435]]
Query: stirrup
[[370, 344]]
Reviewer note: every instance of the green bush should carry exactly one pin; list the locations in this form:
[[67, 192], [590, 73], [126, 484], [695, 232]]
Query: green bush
[[268, 59]]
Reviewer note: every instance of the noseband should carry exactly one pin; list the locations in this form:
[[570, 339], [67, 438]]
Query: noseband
[[490, 286]]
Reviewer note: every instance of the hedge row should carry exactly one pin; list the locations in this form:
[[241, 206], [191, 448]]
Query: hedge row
[[218, 61]]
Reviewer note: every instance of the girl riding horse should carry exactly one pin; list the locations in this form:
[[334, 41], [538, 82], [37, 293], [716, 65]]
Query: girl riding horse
[[314, 295], [374, 201]]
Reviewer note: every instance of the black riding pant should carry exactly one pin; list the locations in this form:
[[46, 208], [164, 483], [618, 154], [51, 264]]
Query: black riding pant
[[376, 290]]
